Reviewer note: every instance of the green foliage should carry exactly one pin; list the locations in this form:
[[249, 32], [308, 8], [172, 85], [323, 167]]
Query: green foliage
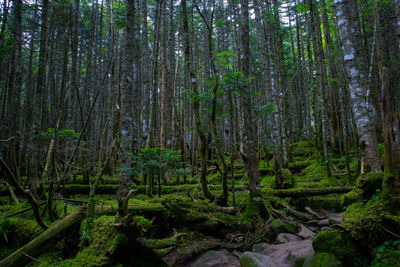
[[151, 160], [388, 254], [265, 109], [67, 133]]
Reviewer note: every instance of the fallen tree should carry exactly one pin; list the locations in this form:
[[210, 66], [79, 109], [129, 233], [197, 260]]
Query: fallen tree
[[46, 240], [305, 192]]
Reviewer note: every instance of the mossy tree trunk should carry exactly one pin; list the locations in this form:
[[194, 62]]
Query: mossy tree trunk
[[44, 241]]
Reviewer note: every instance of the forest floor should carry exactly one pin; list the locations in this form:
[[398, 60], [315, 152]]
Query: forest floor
[[343, 220]]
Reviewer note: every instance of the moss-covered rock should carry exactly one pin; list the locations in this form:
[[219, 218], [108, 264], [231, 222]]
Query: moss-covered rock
[[322, 259], [277, 226], [363, 221], [370, 183], [353, 196], [252, 259], [340, 245]]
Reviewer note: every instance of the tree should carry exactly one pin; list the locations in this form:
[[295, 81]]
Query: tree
[[255, 205], [357, 72]]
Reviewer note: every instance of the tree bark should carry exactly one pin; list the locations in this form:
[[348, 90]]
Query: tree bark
[[356, 68]]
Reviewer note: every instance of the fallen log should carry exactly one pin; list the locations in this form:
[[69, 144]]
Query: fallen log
[[8, 215], [45, 240], [305, 192]]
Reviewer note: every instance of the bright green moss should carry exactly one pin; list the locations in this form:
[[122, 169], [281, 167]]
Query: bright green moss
[[364, 221], [323, 259], [288, 179], [253, 206], [103, 240], [339, 244], [353, 196], [159, 243], [17, 231], [302, 149]]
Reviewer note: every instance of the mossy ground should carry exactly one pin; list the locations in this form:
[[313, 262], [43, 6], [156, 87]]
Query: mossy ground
[[183, 209]]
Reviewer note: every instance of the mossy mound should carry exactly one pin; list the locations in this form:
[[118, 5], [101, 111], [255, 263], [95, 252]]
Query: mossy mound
[[364, 221], [370, 183], [277, 226], [314, 170], [298, 166], [322, 259], [16, 232], [108, 246], [103, 239], [388, 254], [340, 245], [302, 149], [353, 196]]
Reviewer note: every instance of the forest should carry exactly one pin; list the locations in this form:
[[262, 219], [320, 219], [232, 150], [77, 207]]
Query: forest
[[200, 133]]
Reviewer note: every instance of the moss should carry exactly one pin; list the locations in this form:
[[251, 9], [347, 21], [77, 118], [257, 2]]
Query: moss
[[340, 245], [330, 202], [363, 221], [103, 240], [277, 226], [370, 183], [314, 170], [264, 171], [254, 206], [298, 166], [288, 179], [388, 254], [160, 243], [15, 232], [323, 259], [268, 180], [87, 257], [47, 259], [299, 262], [353, 196], [302, 148]]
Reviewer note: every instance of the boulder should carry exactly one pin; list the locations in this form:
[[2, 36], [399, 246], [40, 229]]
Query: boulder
[[340, 245], [252, 259], [285, 255], [305, 233], [277, 227], [216, 258], [285, 237], [335, 218]]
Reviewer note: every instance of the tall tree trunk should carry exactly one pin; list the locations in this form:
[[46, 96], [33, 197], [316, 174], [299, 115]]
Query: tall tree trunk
[[127, 88], [255, 205], [41, 104], [389, 71], [356, 68], [321, 77], [196, 104]]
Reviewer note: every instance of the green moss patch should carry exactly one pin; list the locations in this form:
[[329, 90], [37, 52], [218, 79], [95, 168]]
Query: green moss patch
[[340, 245]]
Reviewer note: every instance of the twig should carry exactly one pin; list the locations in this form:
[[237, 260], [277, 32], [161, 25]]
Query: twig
[[390, 232]]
